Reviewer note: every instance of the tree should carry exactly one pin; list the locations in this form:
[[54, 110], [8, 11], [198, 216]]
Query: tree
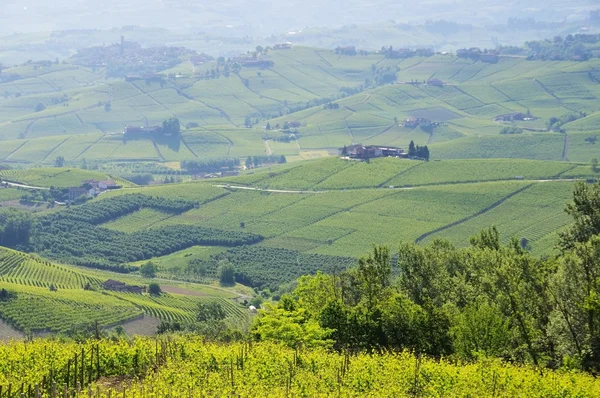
[[282, 159], [59, 161], [107, 107], [226, 273], [171, 126], [288, 324], [594, 165], [585, 210], [154, 289], [16, 227], [412, 151], [40, 107], [148, 270], [247, 122], [268, 127], [210, 312]]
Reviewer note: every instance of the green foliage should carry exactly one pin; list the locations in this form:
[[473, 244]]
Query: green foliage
[[208, 312], [265, 267], [226, 272], [73, 235], [15, 227], [148, 270], [511, 130]]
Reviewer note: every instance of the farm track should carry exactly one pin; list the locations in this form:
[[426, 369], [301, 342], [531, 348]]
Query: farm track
[[15, 150], [479, 213], [293, 83], [543, 86], [160, 156], [187, 146], [54, 149], [566, 149], [89, 146], [256, 92], [323, 59], [28, 129], [381, 186]]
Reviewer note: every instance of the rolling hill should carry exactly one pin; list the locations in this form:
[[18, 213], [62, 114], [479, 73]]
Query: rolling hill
[[76, 124]]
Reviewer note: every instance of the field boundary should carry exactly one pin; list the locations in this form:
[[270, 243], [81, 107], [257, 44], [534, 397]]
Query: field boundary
[[480, 212]]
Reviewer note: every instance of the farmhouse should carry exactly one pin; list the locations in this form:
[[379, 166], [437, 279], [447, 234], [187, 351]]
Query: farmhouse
[[511, 117], [134, 131], [413, 122], [75, 192], [117, 286], [371, 151], [283, 46], [254, 62]]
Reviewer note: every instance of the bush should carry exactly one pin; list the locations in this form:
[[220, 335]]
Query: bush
[[154, 289]]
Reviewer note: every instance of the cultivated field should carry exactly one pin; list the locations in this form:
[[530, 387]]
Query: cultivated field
[[76, 125]]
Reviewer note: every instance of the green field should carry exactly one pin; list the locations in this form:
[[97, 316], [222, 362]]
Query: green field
[[337, 207], [474, 94], [57, 177]]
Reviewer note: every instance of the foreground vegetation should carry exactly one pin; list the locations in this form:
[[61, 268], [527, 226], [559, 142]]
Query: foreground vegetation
[[188, 366]]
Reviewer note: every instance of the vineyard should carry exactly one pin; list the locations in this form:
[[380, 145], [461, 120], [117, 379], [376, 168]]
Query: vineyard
[[266, 267], [189, 367], [48, 297], [58, 177], [73, 235]]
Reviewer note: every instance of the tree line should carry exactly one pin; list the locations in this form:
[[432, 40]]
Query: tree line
[[489, 299]]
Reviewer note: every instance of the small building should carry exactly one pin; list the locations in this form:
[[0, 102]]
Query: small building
[[117, 286], [75, 192], [135, 131], [511, 117], [283, 46], [104, 185], [372, 151]]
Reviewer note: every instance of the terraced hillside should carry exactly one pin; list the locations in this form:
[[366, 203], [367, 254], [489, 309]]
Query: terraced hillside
[[47, 297], [77, 125], [335, 210]]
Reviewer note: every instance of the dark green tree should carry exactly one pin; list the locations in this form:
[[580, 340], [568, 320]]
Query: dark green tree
[[412, 151], [154, 289], [59, 161], [226, 273], [210, 312]]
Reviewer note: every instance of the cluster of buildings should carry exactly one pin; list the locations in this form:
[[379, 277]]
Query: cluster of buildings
[[249, 62], [360, 151], [283, 46], [92, 188], [141, 131], [413, 122], [406, 52], [130, 56], [514, 117]]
